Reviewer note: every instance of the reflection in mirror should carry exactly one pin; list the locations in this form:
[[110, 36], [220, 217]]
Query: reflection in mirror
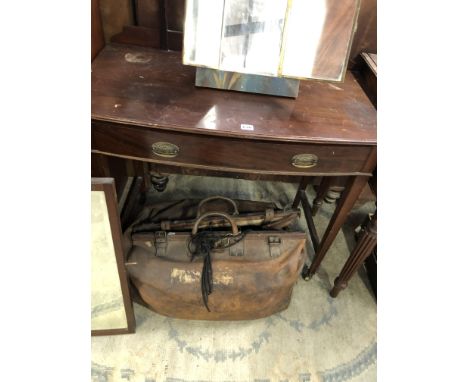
[[305, 39], [305, 18], [209, 121], [251, 36], [202, 31]]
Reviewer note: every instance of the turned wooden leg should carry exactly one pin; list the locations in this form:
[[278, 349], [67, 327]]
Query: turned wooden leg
[[352, 190], [159, 182], [321, 193], [333, 194], [335, 190], [364, 247]]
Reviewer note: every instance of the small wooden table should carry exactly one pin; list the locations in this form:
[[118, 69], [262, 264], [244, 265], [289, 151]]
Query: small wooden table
[[146, 108]]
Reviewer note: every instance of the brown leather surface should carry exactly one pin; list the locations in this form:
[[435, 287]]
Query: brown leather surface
[[245, 287], [254, 285]]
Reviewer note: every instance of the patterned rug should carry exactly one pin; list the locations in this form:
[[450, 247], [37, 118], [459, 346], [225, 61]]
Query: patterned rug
[[316, 339]]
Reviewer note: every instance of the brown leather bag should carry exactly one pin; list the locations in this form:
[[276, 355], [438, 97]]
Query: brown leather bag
[[252, 272]]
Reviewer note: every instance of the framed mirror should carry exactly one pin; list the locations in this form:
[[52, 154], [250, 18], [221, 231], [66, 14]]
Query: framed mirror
[[111, 305], [302, 39]]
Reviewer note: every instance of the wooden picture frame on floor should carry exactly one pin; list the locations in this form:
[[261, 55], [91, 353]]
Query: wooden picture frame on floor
[[111, 304]]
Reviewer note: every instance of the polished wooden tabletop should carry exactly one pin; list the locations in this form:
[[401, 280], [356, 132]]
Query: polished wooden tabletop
[[151, 88]]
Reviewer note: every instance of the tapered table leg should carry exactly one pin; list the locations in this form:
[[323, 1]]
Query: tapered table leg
[[309, 220], [321, 193], [364, 247], [352, 190], [302, 187]]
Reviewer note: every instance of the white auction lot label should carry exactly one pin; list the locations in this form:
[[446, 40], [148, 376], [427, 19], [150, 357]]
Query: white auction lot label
[[247, 127]]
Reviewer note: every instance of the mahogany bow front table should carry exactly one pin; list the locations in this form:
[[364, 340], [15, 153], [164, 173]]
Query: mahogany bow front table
[[145, 108]]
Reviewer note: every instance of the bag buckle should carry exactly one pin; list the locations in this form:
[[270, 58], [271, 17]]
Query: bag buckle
[[274, 242], [160, 243]]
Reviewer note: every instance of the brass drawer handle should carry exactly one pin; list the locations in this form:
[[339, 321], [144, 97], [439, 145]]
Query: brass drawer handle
[[304, 160], [165, 149]]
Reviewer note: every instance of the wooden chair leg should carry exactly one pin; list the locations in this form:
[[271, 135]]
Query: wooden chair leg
[[352, 190], [363, 249]]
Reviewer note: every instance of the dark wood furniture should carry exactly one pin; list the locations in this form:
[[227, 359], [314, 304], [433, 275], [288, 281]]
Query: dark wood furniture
[[367, 76], [366, 73], [143, 98], [97, 34], [365, 249]]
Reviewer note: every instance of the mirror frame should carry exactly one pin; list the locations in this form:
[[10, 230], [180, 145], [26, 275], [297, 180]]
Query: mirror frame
[[107, 185]]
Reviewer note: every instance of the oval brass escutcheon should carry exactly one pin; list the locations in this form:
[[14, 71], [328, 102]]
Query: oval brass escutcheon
[[165, 149], [304, 160]]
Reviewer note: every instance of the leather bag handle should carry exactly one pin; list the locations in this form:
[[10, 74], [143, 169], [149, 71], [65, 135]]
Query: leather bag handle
[[211, 198], [235, 230]]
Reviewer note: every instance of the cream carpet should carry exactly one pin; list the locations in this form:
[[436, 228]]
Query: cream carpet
[[316, 339]]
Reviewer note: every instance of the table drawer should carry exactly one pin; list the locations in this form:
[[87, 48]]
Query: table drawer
[[225, 153]]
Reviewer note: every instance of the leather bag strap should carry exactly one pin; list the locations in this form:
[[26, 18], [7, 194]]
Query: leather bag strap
[[211, 198], [235, 230]]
